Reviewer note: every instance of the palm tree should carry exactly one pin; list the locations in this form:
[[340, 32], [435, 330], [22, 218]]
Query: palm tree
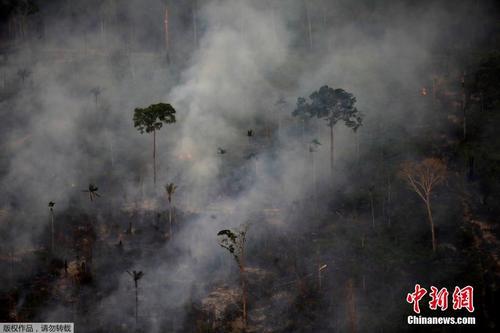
[[249, 135], [51, 208], [92, 191], [170, 189], [136, 276], [151, 119], [96, 92]]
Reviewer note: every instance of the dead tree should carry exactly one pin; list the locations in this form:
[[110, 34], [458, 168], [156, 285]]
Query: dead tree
[[351, 307], [422, 178], [234, 242]]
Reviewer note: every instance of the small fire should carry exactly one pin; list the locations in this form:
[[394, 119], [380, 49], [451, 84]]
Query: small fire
[[131, 207], [423, 91], [185, 157]]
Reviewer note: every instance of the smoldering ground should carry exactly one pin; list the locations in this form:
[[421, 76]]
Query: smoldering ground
[[68, 123]]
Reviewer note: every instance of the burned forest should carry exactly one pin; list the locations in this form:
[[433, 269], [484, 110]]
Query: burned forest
[[215, 166]]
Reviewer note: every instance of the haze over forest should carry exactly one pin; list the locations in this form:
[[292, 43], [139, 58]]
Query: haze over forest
[[247, 166]]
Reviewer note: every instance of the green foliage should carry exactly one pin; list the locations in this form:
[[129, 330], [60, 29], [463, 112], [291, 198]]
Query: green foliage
[[333, 105], [234, 242], [153, 117], [303, 110], [314, 145], [170, 189]]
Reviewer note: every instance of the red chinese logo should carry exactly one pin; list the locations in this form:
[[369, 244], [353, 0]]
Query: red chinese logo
[[415, 297], [462, 298], [438, 298]]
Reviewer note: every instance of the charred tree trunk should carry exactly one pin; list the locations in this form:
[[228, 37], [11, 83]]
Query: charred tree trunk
[[154, 157], [52, 230], [309, 25], [332, 152], [351, 307], [195, 23], [463, 104], [244, 296], [357, 147], [372, 206], [389, 200], [136, 304], [167, 34], [170, 219], [313, 167]]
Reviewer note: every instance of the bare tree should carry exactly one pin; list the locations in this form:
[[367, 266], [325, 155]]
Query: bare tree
[[234, 242], [422, 178]]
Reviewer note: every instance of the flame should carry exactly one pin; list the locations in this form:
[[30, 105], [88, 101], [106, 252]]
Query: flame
[[185, 157], [146, 204], [423, 91]]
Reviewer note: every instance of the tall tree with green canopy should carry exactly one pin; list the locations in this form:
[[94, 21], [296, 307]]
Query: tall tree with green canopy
[[333, 105], [151, 119]]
